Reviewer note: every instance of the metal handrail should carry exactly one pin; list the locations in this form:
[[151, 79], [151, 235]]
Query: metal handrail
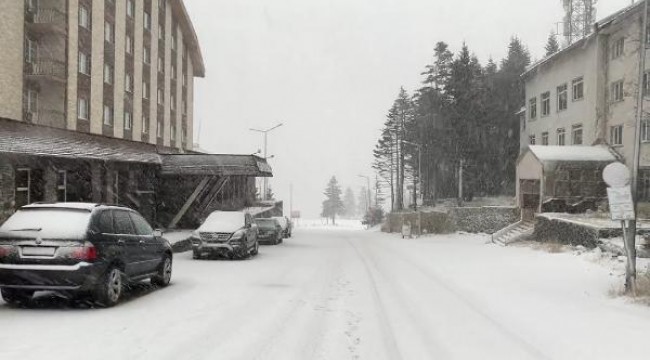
[[47, 16]]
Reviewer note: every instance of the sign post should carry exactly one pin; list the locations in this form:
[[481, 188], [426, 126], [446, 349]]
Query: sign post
[[621, 208]]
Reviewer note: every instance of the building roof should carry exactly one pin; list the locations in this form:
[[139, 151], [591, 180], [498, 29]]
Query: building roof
[[19, 138], [190, 35], [598, 153], [209, 164], [603, 23]]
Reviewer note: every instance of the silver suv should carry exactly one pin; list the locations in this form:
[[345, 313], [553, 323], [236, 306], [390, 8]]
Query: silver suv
[[226, 233]]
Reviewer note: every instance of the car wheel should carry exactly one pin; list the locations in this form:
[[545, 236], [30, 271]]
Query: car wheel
[[164, 273], [17, 296], [196, 255], [110, 288], [256, 249]]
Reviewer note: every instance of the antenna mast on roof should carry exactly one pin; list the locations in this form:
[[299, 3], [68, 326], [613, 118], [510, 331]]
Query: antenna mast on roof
[[579, 19]]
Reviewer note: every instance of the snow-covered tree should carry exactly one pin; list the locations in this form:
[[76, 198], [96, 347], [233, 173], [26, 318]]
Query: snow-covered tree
[[333, 205]]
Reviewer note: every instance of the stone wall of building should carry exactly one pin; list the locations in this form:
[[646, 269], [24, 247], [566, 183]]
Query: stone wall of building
[[7, 182], [12, 37], [470, 219]]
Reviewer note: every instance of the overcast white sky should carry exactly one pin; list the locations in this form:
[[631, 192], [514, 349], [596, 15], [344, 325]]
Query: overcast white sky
[[330, 69]]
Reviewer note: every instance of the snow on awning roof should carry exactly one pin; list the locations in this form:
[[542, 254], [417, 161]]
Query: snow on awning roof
[[25, 139], [215, 164], [598, 153]]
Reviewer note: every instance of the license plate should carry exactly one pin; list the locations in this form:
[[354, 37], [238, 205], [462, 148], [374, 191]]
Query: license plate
[[38, 251]]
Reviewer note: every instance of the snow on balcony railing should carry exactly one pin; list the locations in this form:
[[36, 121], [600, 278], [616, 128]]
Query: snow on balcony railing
[[46, 67]]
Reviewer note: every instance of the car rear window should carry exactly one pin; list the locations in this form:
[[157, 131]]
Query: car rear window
[[48, 223], [270, 224]]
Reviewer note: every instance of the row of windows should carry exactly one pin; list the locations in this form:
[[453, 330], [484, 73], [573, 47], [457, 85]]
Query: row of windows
[[576, 136], [562, 98]]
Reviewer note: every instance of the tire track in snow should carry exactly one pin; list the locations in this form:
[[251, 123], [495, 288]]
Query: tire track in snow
[[468, 301]]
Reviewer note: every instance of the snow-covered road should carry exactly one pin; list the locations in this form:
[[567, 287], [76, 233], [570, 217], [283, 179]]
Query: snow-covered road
[[351, 295]]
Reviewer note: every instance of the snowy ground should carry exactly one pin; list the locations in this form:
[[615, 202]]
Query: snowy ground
[[351, 294]]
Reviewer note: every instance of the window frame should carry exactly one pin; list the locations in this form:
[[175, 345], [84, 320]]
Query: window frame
[[86, 108], [108, 115], [545, 138], [84, 17], [578, 82], [618, 48], [576, 130], [561, 136], [128, 120], [546, 104], [83, 63], [616, 135], [562, 97], [616, 89], [108, 74]]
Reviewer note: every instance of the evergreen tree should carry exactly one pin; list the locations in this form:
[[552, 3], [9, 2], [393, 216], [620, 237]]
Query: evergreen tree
[[349, 203], [552, 46], [333, 205]]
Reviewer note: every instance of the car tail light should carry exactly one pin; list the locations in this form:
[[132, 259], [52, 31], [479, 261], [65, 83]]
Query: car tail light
[[87, 252], [7, 250]]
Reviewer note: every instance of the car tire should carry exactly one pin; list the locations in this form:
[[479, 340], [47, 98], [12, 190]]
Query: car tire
[[164, 276], [110, 288], [256, 249], [17, 296]]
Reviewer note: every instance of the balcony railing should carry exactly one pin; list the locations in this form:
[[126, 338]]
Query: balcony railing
[[45, 16], [47, 68], [44, 117]]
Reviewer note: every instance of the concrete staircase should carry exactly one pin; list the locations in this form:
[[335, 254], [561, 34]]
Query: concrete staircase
[[513, 233]]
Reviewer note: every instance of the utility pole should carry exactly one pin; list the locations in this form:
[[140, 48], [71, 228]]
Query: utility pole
[[460, 182], [368, 201], [266, 133], [630, 241], [419, 177]]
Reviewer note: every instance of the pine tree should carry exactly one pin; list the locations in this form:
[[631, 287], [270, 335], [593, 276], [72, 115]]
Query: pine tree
[[552, 46], [349, 203], [333, 205]]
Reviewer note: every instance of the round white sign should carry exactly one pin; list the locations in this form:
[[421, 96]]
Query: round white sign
[[616, 175]]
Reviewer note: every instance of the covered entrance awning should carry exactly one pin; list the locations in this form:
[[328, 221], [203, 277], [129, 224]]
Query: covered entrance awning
[[215, 164], [19, 138], [562, 172]]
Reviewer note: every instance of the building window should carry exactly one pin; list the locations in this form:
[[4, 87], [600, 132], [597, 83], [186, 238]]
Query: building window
[[159, 129], [130, 8], [545, 138], [31, 50], [618, 48], [108, 115], [578, 89], [531, 139], [145, 90], [183, 135], [128, 83], [173, 39], [128, 120], [84, 17], [172, 133], [161, 32], [161, 65], [616, 135], [546, 103], [561, 137], [146, 55], [173, 102], [644, 184], [532, 107], [616, 91], [645, 130], [185, 84], [173, 72], [576, 134], [31, 101], [184, 109], [83, 108], [109, 32], [108, 74], [84, 63], [147, 21], [23, 186], [145, 124], [62, 186], [128, 46], [562, 97], [32, 5], [161, 96]]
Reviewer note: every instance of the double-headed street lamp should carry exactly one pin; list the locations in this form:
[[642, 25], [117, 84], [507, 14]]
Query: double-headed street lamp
[[266, 133]]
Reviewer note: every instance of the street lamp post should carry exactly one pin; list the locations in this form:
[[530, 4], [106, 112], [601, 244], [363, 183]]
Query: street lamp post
[[266, 133], [419, 147], [368, 204]]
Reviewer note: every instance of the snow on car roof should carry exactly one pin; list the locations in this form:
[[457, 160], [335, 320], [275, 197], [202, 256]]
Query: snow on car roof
[[70, 205], [597, 153]]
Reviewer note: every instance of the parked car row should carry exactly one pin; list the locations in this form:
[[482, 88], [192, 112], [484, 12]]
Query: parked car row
[[92, 251], [235, 234]]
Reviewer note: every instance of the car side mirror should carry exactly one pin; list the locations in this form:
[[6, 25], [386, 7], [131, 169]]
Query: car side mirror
[[157, 233]]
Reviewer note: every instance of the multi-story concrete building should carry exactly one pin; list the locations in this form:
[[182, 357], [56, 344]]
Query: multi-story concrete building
[[587, 93], [95, 98]]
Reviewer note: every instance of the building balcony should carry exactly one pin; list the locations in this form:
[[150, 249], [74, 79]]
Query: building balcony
[[45, 21], [49, 117], [47, 69]]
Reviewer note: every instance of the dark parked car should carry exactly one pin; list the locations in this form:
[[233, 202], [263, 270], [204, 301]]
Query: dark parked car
[[79, 249], [269, 231], [228, 233]]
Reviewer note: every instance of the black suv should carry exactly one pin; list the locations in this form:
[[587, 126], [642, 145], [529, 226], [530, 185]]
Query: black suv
[[79, 248]]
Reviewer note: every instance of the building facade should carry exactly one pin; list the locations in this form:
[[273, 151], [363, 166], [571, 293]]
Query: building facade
[[587, 93], [96, 105]]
